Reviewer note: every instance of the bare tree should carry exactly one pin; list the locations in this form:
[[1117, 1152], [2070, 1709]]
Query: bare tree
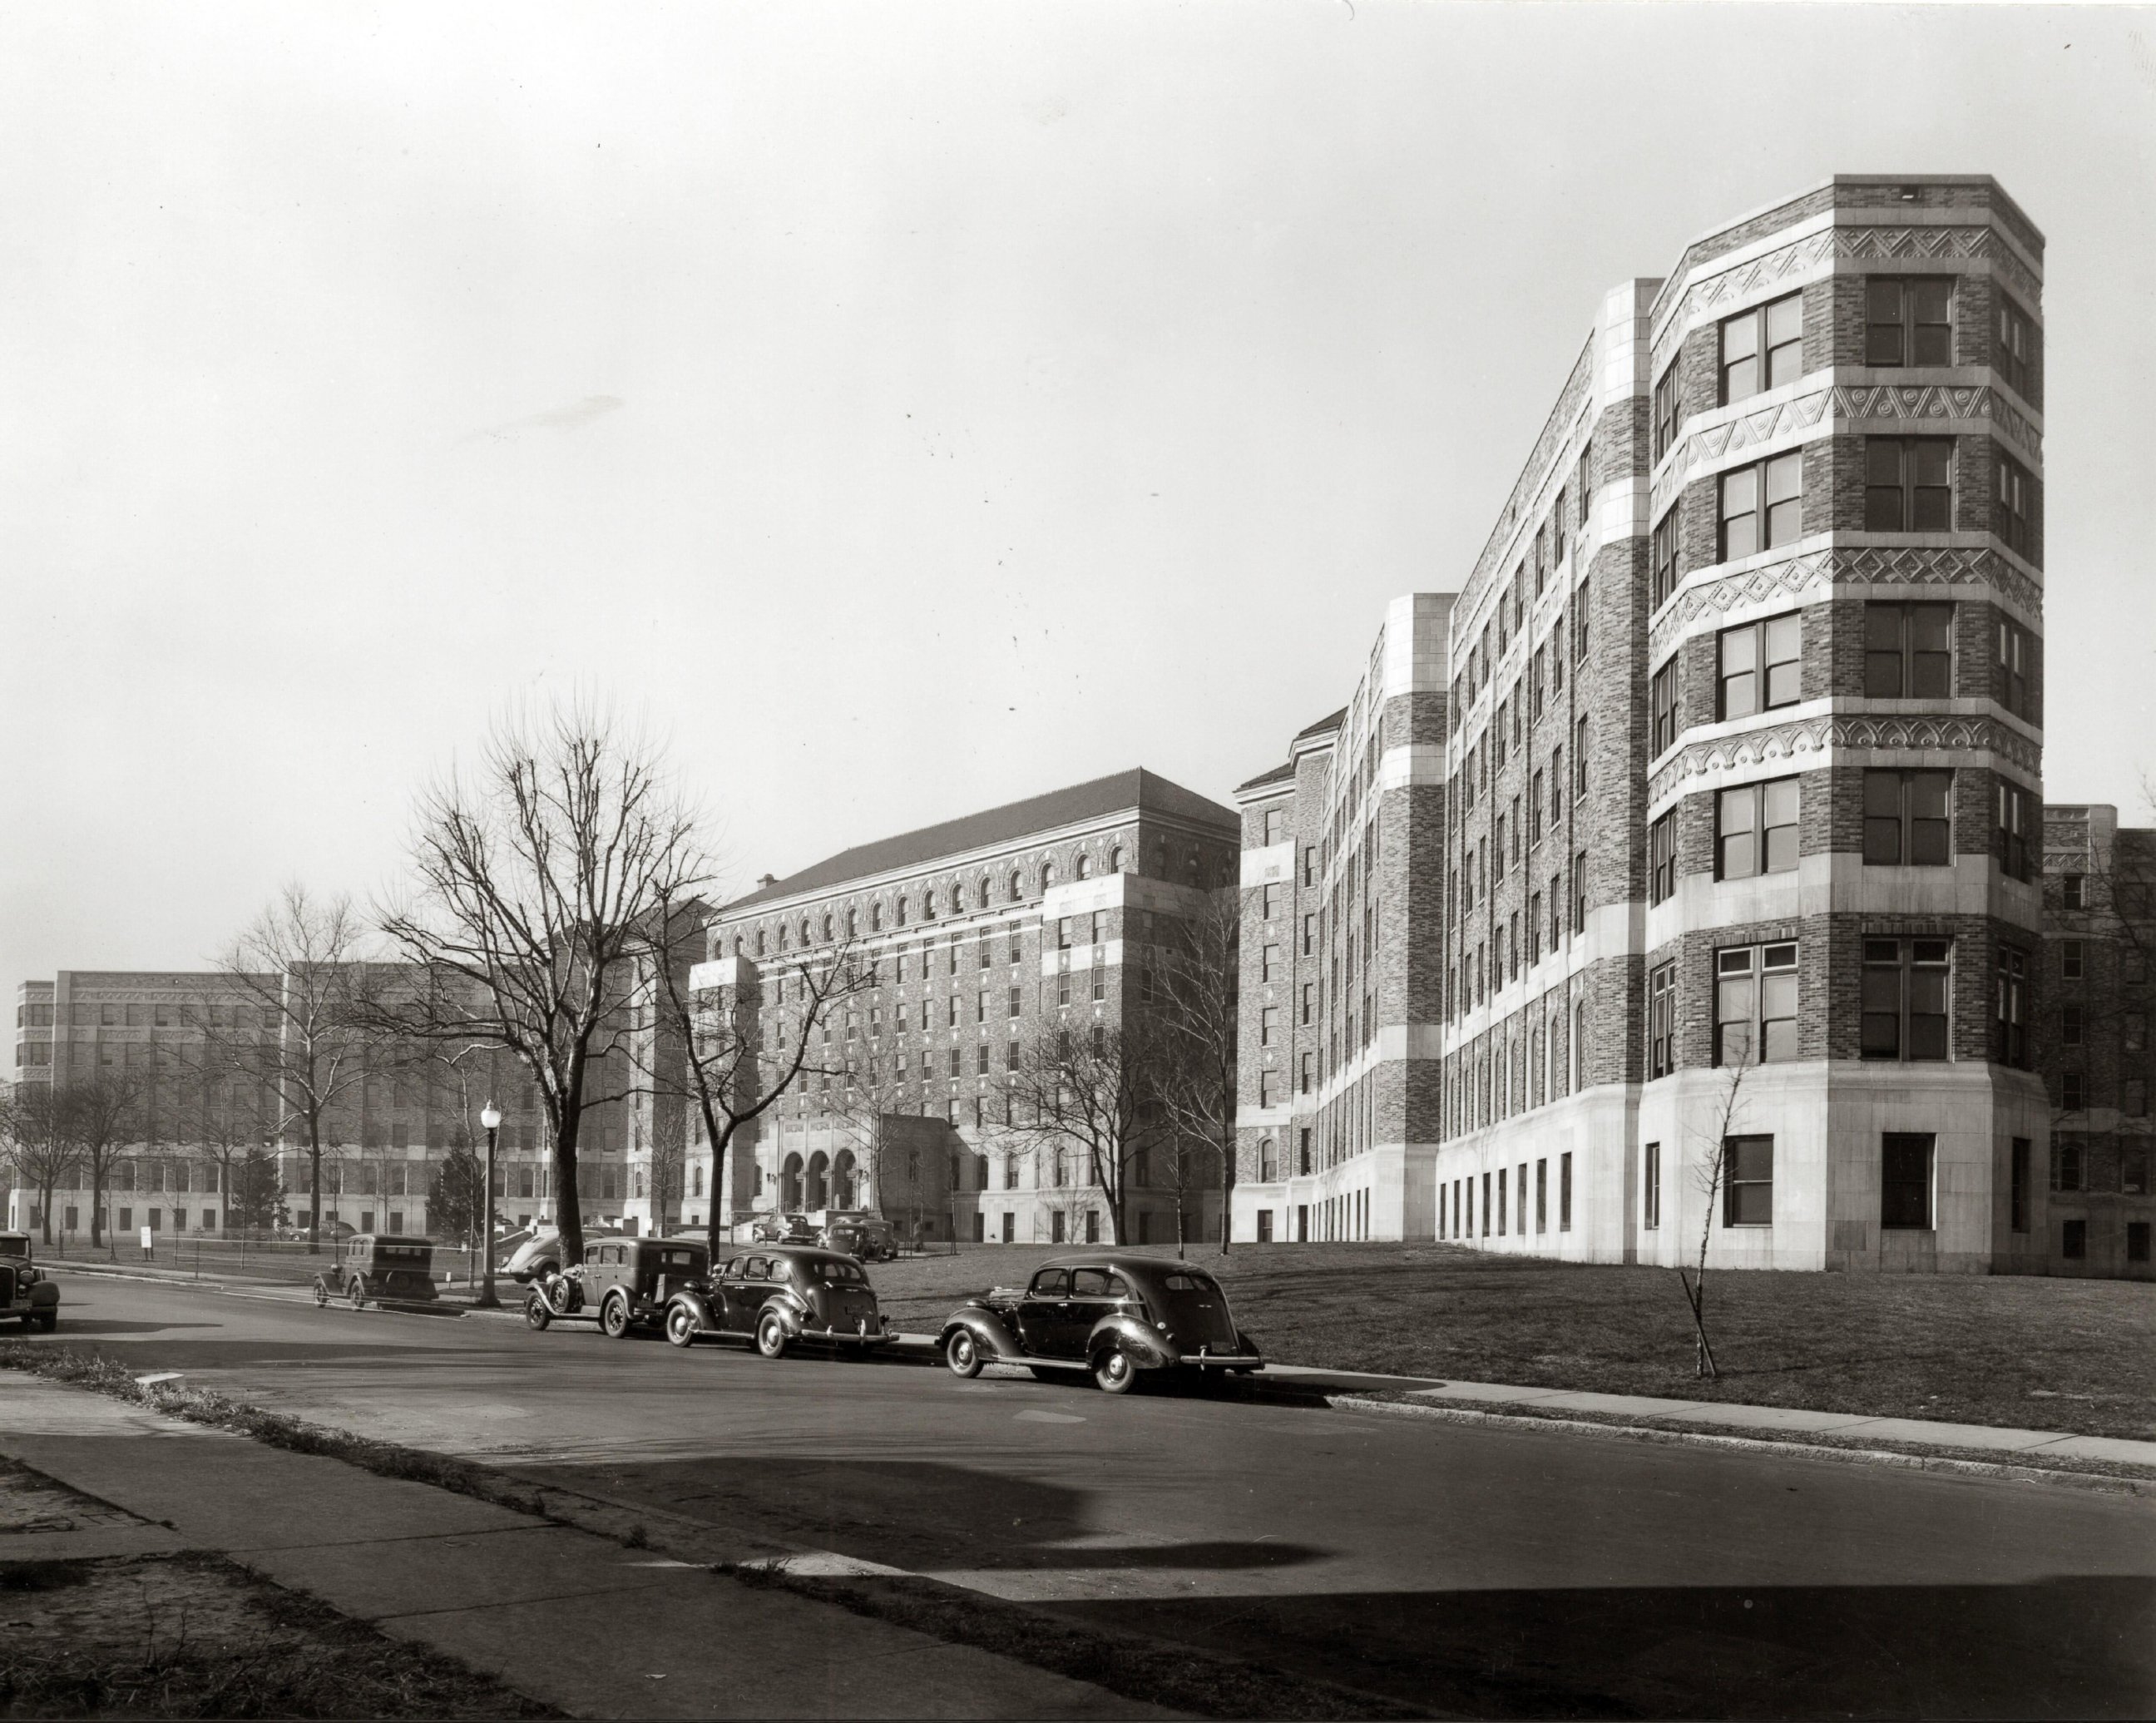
[[741, 1052], [537, 872], [101, 1116], [295, 989], [1712, 1176], [1097, 1091], [35, 1142], [1195, 1004], [226, 1117]]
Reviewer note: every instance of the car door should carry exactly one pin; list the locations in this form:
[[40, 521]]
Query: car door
[[1041, 1314], [1090, 1299], [737, 1312], [599, 1274]]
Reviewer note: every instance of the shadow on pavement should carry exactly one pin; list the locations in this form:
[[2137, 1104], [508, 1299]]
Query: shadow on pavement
[[2075, 1648], [75, 1327], [912, 1514]]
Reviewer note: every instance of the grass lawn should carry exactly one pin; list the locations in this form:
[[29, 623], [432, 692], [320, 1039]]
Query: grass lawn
[[2055, 1355]]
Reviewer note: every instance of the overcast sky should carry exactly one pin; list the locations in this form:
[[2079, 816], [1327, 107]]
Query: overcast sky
[[911, 407]]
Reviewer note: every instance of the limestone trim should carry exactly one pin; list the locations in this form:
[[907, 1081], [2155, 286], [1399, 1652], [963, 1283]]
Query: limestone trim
[[1971, 740]]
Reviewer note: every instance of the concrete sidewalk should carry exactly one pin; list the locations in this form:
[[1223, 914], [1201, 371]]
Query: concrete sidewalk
[[577, 1621], [1777, 1423]]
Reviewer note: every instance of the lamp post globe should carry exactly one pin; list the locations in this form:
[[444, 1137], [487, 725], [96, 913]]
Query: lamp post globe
[[490, 1117]]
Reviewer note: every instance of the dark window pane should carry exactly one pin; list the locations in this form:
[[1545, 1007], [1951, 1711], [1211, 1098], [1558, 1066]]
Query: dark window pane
[[1883, 843], [1934, 345], [1881, 1035], [1929, 793], [1932, 457], [1930, 843], [1882, 461], [1882, 508]]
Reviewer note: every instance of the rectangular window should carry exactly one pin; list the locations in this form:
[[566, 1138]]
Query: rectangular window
[[2019, 827], [1268, 900], [1308, 1074], [1908, 651], [2072, 1097], [1759, 667], [1504, 1203], [2010, 678], [1269, 1026], [2073, 891], [2073, 1240], [1908, 320], [2018, 1185], [2013, 519], [1667, 397], [1748, 1197], [1564, 1192], [1661, 1020], [1662, 708], [1762, 507], [1762, 348], [1905, 990], [1269, 963], [1755, 830], [1755, 1004], [1665, 558], [2068, 1161], [2072, 962], [1662, 858], [1908, 484], [1579, 622], [1907, 819], [1309, 936], [1650, 1188], [1309, 1001], [2011, 1034], [1905, 1181], [1274, 820], [2011, 351], [2136, 1240], [1579, 892]]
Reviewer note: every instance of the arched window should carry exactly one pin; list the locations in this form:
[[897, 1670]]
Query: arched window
[[845, 1180], [827, 929], [1017, 885], [898, 911], [782, 936], [982, 896], [1047, 875], [1268, 1160], [1115, 859], [853, 922], [928, 904], [789, 1183], [875, 918], [815, 1189], [1084, 866]]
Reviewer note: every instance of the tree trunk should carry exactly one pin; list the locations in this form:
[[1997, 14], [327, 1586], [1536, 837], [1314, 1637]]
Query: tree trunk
[[1227, 1179], [314, 1175]]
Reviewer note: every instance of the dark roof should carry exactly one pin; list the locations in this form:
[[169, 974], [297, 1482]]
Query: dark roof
[[1332, 723], [1137, 788], [1280, 773]]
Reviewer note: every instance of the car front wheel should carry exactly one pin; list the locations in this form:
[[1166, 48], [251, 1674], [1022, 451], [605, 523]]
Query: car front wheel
[[1114, 1372], [536, 1312], [48, 1320], [614, 1316], [680, 1325], [356, 1292], [962, 1353], [322, 1296], [771, 1337]]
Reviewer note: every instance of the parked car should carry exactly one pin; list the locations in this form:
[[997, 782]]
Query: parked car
[[620, 1283], [26, 1294], [858, 1233], [535, 1258], [784, 1229], [776, 1295], [379, 1266], [1120, 1317]]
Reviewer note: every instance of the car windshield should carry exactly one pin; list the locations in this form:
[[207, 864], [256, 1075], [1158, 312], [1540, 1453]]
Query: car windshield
[[833, 1273], [16, 1245]]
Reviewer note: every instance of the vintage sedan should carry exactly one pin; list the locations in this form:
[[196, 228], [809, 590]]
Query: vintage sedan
[[381, 1267], [1119, 1317], [773, 1296], [623, 1283], [856, 1232], [25, 1291]]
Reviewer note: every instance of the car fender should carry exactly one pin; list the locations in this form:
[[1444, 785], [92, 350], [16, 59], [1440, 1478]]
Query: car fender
[[990, 1332], [43, 1292], [1140, 1340], [699, 1303], [786, 1310]]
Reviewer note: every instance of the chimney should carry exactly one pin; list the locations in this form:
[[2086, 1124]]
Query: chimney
[[764, 880]]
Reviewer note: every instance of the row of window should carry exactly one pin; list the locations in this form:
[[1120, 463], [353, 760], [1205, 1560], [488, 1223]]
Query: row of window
[[1908, 321], [1457, 1210]]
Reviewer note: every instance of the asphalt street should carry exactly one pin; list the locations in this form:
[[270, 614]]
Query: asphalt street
[[1479, 1570]]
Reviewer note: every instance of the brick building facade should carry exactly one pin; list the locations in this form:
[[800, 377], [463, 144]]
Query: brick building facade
[[1740, 770], [984, 932]]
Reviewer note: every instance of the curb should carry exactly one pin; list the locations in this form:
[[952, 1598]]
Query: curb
[[2104, 1481]]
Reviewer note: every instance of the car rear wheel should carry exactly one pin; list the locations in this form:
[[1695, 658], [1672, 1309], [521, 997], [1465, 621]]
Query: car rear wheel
[[614, 1316], [680, 1325], [356, 1290], [1114, 1372], [536, 1313], [962, 1353], [771, 1337]]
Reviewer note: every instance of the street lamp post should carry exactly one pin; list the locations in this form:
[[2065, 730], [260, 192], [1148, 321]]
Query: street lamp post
[[491, 1116]]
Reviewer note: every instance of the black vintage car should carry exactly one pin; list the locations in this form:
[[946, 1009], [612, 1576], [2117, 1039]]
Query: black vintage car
[[1118, 1316], [25, 1291], [622, 1283], [381, 1267], [777, 1294]]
